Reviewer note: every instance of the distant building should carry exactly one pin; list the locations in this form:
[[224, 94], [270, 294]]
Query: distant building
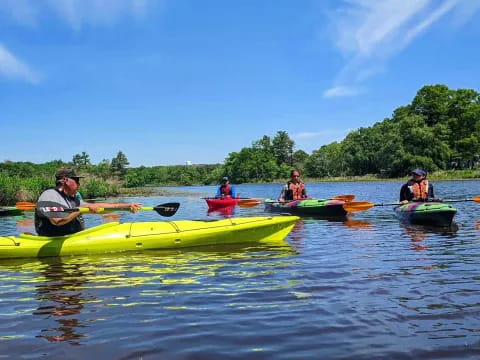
[[188, 163]]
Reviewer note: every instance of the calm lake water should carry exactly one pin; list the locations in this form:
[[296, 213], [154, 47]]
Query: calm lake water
[[366, 288]]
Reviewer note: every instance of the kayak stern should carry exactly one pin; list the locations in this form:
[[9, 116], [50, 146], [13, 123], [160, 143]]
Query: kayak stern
[[426, 213]]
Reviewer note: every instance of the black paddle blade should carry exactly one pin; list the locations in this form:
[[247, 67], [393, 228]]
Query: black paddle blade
[[167, 209], [52, 209]]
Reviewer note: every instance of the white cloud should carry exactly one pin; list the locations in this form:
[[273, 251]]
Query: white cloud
[[306, 135], [76, 13], [312, 140], [464, 11], [12, 67], [423, 25], [340, 91], [368, 33]]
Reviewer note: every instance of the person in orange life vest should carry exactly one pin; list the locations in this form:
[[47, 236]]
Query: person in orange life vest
[[226, 190], [294, 189], [417, 188]]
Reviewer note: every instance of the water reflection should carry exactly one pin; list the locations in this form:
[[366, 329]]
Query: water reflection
[[71, 292], [61, 296], [25, 225], [358, 224], [348, 221], [477, 224], [419, 233], [106, 218], [298, 233], [225, 212]]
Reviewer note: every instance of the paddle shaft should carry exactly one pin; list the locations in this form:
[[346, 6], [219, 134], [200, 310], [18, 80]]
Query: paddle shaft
[[52, 209]]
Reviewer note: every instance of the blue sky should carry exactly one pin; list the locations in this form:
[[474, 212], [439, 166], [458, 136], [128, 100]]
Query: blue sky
[[166, 81]]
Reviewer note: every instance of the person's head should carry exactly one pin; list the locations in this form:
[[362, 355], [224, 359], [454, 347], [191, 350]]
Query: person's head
[[68, 180], [225, 180], [418, 174], [295, 175]]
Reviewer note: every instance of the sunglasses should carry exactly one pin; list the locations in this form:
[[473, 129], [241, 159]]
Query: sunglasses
[[77, 180]]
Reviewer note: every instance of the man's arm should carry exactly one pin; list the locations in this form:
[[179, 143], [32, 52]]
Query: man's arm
[[65, 220], [93, 207], [52, 195]]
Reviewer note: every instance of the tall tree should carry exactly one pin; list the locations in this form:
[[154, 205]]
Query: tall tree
[[119, 164], [265, 143], [300, 157], [251, 165], [81, 160], [282, 147]]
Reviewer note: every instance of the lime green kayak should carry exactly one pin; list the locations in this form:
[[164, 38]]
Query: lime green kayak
[[150, 235]]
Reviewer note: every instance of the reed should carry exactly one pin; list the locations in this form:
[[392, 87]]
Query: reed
[[13, 189]]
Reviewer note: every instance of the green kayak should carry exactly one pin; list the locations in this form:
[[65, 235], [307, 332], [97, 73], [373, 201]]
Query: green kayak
[[137, 236], [426, 213], [308, 207]]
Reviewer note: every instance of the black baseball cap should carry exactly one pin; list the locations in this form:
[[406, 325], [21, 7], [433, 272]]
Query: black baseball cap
[[66, 172], [419, 172]]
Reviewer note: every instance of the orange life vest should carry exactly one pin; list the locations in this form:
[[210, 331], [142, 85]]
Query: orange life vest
[[419, 190], [295, 191], [226, 190]]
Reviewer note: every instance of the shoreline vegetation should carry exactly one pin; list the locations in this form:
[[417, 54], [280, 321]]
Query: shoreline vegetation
[[13, 189], [438, 131]]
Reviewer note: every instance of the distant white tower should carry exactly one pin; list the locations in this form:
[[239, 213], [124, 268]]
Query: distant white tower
[[188, 163]]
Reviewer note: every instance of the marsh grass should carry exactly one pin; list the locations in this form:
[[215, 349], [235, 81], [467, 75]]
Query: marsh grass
[[13, 189]]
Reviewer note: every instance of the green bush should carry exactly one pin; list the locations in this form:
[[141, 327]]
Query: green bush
[[13, 189]]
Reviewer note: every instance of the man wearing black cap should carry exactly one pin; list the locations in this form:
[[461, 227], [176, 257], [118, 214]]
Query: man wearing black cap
[[417, 188], [226, 189], [66, 194]]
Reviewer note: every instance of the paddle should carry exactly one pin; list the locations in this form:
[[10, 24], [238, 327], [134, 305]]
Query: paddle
[[248, 203], [25, 205], [357, 206], [346, 198], [52, 209]]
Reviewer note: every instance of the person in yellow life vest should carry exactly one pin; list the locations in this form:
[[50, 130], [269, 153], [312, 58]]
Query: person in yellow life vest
[[294, 189], [417, 188]]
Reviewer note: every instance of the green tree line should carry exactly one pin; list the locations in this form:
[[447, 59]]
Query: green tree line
[[439, 130]]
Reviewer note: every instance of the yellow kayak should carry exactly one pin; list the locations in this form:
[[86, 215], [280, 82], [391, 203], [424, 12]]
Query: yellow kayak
[[137, 236]]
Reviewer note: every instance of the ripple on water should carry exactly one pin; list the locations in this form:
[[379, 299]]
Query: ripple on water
[[365, 288]]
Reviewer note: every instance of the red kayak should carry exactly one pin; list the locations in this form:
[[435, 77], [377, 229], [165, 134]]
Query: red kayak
[[218, 203]]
